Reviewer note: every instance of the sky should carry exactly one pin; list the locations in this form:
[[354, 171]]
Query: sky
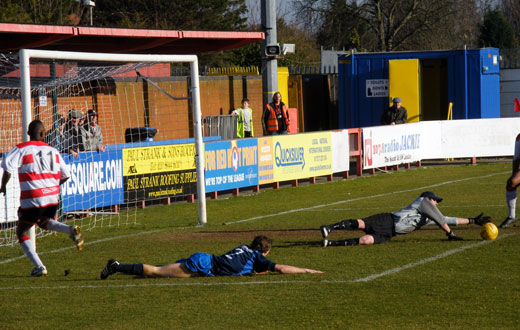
[[282, 7]]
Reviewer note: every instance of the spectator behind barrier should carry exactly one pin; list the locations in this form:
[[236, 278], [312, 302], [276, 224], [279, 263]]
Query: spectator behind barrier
[[91, 133], [396, 114], [276, 117], [244, 120], [73, 133], [55, 137]]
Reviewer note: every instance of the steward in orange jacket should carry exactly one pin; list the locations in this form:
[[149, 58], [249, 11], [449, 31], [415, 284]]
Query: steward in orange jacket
[[276, 117]]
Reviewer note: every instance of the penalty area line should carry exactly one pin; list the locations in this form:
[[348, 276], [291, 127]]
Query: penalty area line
[[178, 284], [6, 261], [426, 260], [361, 198]]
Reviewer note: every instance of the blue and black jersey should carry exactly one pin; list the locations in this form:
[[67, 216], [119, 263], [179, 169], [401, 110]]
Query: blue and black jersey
[[242, 260]]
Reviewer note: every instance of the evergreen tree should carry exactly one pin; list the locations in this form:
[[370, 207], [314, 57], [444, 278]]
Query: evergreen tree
[[496, 31], [338, 25], [205, 15], [247, 55]]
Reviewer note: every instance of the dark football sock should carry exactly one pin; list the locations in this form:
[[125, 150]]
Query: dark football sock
[[346, 242], [346, 224], [352, 241], [131, 269]]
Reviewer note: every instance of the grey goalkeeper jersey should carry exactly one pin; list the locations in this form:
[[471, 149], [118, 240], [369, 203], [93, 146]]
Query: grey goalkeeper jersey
[[420, 213]]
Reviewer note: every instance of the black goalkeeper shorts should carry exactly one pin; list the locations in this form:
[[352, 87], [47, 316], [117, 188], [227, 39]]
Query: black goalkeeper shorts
[[380, 227]]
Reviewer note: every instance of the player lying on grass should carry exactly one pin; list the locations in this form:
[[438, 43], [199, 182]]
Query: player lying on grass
[[242, 260], [41, 171], [383, 226]]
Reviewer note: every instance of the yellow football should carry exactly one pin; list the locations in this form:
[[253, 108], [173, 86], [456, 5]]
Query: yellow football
[[489, 231]]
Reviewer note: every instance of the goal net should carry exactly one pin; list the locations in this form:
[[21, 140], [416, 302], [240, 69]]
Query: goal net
[[130, 132]]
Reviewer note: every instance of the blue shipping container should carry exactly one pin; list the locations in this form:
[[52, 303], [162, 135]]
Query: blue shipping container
[[469, 79]]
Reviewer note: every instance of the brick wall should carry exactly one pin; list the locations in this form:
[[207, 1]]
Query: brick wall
[[221, 94], [124, 102]]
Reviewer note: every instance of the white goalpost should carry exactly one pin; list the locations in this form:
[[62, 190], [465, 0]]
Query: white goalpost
[[153, 154]]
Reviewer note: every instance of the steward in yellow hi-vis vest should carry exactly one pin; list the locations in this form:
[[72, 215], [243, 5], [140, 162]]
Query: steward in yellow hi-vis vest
[[244, 120], [276, 117]]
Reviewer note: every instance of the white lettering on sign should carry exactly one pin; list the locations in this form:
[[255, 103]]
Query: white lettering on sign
[[377, 88]]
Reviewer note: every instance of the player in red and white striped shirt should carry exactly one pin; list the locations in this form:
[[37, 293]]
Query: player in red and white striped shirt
[[41, 171], [511, 185]]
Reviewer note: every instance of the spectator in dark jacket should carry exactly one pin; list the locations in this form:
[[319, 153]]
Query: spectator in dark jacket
[[396, 114], [73, 133]]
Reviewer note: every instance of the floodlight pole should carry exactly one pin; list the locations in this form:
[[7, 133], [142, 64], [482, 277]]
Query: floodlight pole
[[269, 64]]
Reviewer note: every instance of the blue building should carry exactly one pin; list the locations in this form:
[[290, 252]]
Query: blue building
[[427, 82]]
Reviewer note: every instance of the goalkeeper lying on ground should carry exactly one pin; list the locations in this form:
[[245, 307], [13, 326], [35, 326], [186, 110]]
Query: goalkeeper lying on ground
[[382, 227], [242, 260]]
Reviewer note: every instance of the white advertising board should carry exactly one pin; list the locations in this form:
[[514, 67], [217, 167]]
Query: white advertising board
[[340, 151], [479, 137], [10, 202], [399, 144]]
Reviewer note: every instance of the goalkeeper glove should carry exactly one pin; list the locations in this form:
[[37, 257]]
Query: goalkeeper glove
[[452, 237], [480, 219]]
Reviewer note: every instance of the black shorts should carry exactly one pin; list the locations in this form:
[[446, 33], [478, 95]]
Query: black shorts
[[509, 183], [380, 226], [35, 216]]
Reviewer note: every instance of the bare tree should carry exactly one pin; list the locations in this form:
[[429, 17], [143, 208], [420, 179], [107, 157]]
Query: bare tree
[[453, 26], [396, 24]]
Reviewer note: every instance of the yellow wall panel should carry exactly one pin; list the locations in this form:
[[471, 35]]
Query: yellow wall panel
[[404, 83], [283, 84]]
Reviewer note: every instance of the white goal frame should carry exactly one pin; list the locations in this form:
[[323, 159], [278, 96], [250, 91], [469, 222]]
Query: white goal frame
[[26, 55]]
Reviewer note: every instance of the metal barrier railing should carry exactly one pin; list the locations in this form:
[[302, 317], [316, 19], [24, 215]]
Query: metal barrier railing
[[224, 126]]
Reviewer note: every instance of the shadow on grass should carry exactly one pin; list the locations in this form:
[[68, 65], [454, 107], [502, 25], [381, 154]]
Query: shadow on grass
[[258, 230], [301, 243], [15, 276]]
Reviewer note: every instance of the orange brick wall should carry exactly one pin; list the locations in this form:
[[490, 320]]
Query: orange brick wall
[[221, 94], [10, 123], [122, 104]]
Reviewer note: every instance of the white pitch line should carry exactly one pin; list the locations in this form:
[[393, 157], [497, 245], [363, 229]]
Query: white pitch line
[[361, 198], [87, 243], [148, 285], [343, 209], [266, 216], [177, 284], [426, 260]]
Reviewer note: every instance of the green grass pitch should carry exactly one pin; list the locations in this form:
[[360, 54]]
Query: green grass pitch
[[416, 281]]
